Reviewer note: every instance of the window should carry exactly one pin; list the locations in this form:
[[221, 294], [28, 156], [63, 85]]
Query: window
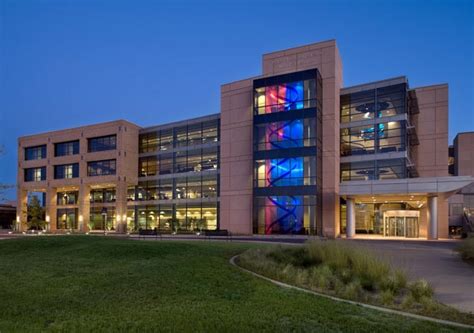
[[102, 195], [35, 153], [102, 143], [284, 214], [293, 171], [67, 198], [190, 217], [66, 148], [286, 134], [285, 97], [66, 218], [101, 168], [66, 171], [371, 170], [99, 222], [35, 174], [376, 138], [374, 103]]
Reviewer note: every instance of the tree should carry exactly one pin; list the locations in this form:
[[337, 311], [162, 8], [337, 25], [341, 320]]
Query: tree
[[35, 214]]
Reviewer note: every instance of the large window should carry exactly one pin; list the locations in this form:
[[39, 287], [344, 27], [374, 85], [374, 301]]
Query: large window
[[286, 134], [295, 171], [35, 153], [67, 198], [195, 160], [101, 168], [285, 96], [66, 218], [192, 187], [284, 214], [66, 148], [375, 138], [190, 217], [374, 103], [35, 174], [102, 195], [372, 170], [97, 221], [66, 171], [102, 143], [190, 135]]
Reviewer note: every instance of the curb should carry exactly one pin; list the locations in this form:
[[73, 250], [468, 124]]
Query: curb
[[373, 307]]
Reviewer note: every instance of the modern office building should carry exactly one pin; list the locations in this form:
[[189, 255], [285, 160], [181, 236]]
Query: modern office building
[[461, 204], [292, 151]]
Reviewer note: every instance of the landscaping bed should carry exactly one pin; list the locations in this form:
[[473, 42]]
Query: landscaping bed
[[350, 272]]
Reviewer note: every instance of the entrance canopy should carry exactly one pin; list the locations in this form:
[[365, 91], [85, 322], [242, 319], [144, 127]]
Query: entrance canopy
[[408, 186]]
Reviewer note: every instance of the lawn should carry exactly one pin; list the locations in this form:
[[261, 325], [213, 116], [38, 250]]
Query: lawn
[[90, 283]]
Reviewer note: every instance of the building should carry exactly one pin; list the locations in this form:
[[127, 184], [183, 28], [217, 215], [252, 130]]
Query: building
[[7, 216], [461, 205], [292, 151]]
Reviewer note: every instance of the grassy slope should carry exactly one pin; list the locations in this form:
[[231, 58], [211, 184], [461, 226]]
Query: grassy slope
[[91, 283]]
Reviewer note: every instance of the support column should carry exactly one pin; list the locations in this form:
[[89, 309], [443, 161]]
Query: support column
[[51, 209], [84, 208], [433, 217], [350, 217], [21, 209], [121, 207]]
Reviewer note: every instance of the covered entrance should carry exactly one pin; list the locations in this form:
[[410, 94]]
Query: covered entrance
[[401, 223]]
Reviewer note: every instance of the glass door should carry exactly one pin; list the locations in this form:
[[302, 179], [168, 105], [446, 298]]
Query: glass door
[[412, 227]]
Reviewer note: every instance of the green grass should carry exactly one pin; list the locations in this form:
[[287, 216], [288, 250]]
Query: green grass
[[350, 272], [90, 283], [467, 249]]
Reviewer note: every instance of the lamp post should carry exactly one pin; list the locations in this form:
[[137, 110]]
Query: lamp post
[[104, 217]]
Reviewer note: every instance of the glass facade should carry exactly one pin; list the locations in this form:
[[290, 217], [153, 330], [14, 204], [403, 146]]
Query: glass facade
[[184, 217], [101, 168], [102, 143], [378, 138], [375, 169], [182, 136], [35, 174], [285, 96], [178, 184], [287, 140], [370, 124], [379, 219], [66, 171], [374, 103], [66, 148], [35, 153], [195, 160]]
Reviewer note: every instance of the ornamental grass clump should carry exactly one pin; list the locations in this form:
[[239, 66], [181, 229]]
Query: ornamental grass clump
[[343, 270]]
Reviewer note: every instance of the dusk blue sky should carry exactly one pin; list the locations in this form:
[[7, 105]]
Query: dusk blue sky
[[67, 63]]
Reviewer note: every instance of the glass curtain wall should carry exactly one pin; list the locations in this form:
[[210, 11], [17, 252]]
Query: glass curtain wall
[[178, 184], [286, 156]]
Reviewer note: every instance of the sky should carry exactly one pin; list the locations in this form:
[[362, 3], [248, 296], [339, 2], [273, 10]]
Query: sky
[[67, 63]]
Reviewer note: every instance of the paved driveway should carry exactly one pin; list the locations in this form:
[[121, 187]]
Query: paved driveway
[[452, 278]]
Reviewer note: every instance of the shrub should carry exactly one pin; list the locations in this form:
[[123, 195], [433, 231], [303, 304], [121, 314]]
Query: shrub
[[387, 297], [420, 289], [467, 249]]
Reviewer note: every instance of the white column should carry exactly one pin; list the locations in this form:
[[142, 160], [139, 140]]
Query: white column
[[433, 217], [350, 217]]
